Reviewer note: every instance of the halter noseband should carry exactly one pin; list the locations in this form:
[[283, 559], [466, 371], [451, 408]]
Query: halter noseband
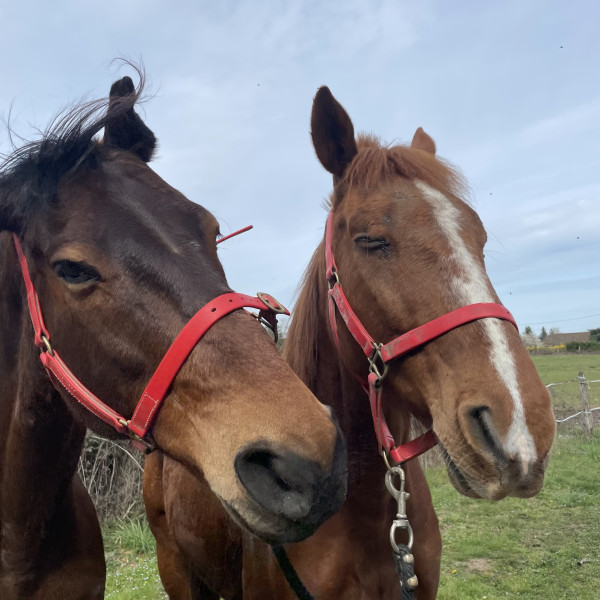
[[152, 397], [380, 355]]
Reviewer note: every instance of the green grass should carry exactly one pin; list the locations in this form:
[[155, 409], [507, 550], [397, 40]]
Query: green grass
[[133, 535], [529, 548], [132, 573], [556, 368]]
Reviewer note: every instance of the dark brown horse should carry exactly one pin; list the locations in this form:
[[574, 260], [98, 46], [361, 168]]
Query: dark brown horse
[[408, 249], [121, 262]]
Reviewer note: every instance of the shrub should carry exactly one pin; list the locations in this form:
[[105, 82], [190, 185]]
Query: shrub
[[546, 349], [112, 474], [583, 347]]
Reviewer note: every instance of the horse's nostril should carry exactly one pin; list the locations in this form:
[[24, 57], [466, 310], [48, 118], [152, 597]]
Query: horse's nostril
[[298, 489], [283, 483], [484, 431]]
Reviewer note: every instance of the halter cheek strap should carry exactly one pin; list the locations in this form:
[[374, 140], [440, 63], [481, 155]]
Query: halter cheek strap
[[151, 399], [380, 355]]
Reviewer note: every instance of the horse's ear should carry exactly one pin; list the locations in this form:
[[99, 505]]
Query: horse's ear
[[422, 141], [332, 133], [124, 129]]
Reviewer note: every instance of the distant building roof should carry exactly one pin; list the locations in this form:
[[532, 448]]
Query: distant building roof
[[556, 339]]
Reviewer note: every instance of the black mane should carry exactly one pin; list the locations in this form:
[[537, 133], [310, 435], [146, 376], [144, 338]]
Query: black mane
[[30, 176]]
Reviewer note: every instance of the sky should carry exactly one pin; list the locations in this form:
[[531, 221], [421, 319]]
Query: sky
[[510, 92]]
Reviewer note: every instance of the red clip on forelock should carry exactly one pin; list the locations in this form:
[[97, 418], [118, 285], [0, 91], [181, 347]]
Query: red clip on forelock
[[242, 230]]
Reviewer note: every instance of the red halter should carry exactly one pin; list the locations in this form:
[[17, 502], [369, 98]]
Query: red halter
[[379, 355], [151, 399]]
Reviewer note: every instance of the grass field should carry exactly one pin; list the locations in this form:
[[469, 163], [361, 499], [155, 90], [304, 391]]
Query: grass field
[[556, 368], [545, 548], [527, 549], [131, 563]]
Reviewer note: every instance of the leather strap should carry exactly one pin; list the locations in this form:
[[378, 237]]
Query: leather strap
[[290, 573], [433, 329], [35, 311], [158, 386], [414, 448], [338, 298]]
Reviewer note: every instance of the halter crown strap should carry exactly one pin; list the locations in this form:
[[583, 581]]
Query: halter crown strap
[[158, 386]]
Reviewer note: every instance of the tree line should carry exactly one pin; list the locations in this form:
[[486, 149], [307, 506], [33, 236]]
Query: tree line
[[530, 339]]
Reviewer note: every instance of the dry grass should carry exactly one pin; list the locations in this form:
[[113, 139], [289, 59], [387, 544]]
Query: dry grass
[[112, 474]]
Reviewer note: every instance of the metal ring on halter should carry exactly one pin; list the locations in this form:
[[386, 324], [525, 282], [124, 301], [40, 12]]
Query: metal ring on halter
[[333, 279], [144, 444], [48, 348], [386, 460]]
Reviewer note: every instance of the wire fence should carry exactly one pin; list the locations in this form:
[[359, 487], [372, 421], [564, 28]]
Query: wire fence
[[577, 414], [587, 412]]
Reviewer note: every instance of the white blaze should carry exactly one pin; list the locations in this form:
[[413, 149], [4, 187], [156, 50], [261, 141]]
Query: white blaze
[[470, 287]]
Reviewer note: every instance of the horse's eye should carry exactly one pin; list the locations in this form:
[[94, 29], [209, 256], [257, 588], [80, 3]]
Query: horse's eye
[[369, 243], [75, 272]]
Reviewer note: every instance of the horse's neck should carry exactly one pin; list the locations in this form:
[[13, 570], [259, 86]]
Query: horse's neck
[[40, 440]]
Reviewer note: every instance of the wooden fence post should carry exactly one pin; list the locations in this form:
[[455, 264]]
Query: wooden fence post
[[584, 394]]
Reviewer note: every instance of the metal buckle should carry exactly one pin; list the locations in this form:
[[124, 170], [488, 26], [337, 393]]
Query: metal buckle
[[272, 304], [377, 365], [138, 442]]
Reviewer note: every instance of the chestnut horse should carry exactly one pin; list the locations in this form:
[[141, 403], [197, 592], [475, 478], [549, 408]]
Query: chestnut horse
[[407, 249], [110, 264]]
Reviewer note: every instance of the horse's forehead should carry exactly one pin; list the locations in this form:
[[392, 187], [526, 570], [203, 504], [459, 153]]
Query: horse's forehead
[[126, 195], [404, 200], [389, 202]]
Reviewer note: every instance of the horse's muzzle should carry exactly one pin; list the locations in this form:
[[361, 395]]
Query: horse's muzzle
[[292, 488]]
